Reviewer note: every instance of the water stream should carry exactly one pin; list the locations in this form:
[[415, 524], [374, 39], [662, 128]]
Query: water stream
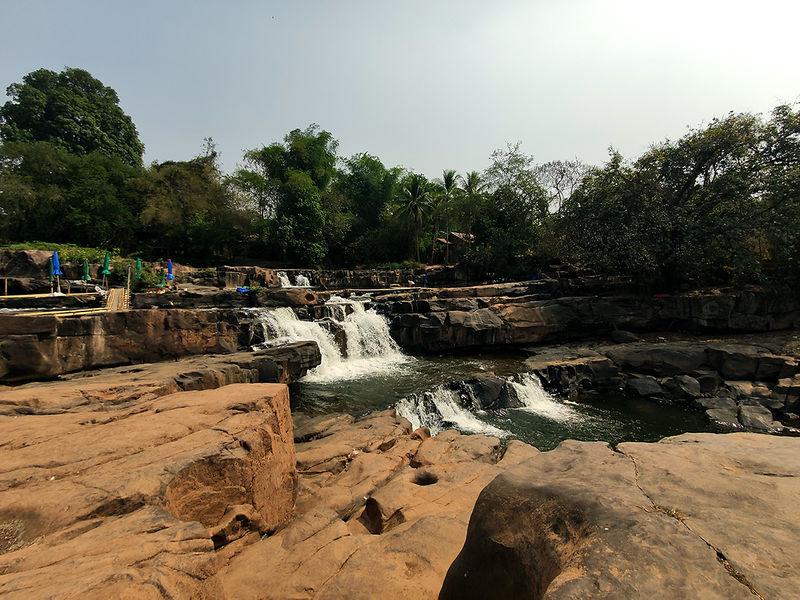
[[363, 370]]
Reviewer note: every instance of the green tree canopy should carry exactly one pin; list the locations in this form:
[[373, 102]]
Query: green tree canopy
[[72, 110]]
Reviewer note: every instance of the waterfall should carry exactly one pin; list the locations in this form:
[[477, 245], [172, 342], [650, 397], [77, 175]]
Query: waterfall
[[370, 350], [440, 409], [443, 407], [300, 280], [283, 279], [535, 399]]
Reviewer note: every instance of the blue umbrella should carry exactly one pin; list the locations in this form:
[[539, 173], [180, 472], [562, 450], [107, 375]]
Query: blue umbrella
[[56, 264], [170, 276]]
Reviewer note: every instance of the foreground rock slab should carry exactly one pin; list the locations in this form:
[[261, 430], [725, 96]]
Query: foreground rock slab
[[381, 513], [133, 501], [694, 516], [120, 386]]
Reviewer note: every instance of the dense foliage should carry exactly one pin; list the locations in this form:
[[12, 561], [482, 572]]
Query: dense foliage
[[720, 205]]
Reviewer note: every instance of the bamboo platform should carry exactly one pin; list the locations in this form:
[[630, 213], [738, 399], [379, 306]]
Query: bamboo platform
[[117, 299]]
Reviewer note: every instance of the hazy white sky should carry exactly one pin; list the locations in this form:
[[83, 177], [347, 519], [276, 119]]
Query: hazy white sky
[[421, 83]]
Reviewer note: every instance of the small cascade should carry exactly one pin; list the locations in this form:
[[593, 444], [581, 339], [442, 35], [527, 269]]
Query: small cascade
[[283, 279], [300, 280], [448, 406], [370, 349], [535, 399], [440, 409]]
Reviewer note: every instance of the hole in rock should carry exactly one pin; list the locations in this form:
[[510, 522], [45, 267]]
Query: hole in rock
[[424, 478]]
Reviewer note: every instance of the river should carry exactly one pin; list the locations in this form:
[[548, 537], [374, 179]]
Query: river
[[364, 370]]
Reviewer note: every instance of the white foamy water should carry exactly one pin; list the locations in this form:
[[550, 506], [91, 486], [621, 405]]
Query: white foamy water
[[440, 409], [536, 400], [283, 279], [370, 349], [300, 280]]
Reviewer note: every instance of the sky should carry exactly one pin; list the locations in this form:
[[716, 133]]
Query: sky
[[425, 84]]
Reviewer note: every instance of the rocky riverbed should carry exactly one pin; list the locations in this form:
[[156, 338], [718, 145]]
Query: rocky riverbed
[[196, 475]]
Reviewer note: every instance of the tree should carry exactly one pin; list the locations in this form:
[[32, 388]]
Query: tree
[[48, 194], [356, 210], [286, 182], [415, 203], [560, 178], [448, 186], [472, 190], [72, 110], [714, 207], [189, 212]]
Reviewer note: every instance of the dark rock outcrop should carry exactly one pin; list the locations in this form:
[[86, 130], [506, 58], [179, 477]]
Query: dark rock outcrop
[[498, 320]]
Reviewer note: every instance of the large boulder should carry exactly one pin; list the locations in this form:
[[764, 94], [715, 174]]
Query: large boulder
[[647, 520], [148, 491]]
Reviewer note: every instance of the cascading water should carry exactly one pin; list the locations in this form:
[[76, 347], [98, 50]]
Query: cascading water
[[283, 279], [300, 280], [370, 348], [536, 399], [440, 409], [444, 407]]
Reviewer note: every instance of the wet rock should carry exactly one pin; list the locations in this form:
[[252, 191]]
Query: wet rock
[[708, 380], [672, 358], [725, 417], [622, 337], [726, 403], [683, 386], [486, 393], [645, 386], [757, 417]]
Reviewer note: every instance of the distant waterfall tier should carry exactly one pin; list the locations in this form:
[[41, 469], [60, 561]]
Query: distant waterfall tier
[[354, 342], [300, 280], [471, 405]]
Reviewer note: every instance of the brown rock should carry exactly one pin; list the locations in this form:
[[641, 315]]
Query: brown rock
[[147, 491], [695, 516]]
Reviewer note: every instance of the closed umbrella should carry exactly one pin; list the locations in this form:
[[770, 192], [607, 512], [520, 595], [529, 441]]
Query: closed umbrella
[[138, 268], [170, 276], [55, 267], [86, 276], [162, 282], [52, 275], [106, 268]]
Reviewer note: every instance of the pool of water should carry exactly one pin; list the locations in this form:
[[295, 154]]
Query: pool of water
[[543, 424]]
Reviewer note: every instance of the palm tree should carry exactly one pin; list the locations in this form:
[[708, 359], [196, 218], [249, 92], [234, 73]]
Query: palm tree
[[447, 190], [472, 190], [415, 201]]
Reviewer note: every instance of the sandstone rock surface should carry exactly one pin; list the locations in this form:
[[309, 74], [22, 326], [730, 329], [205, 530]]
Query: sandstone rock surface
[[381, 513], [121, 386], [132, 502], [694, 516]]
